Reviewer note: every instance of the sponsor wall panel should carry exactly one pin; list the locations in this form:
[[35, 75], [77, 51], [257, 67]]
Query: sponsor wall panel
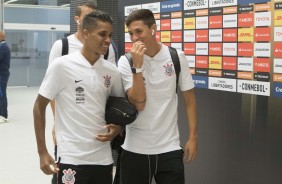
[[277, 46], [233, 45]]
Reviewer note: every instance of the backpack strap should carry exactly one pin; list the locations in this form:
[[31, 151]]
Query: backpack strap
[[129, 58], [175, 60], [107, 54], [65, 48], [116, 51], [176, 63]]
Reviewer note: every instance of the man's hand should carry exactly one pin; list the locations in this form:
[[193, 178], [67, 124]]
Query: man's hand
[[190, 151], [47, 164], [137, 52], [113, 131]]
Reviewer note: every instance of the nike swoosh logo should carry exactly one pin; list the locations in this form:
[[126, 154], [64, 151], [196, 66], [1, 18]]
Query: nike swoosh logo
[[76, 81]]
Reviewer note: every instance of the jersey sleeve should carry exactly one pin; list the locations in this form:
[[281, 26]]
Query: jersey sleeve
[[56, 51], [126, 74], [117, 88], [185, 77], [52, 83]]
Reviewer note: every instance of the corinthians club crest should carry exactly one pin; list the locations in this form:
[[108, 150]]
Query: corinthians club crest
[[68, 177], [169, 69], [107, 82]]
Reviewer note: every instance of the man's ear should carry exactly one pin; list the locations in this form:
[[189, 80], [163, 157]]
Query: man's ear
[[85, 33], [76, 19]]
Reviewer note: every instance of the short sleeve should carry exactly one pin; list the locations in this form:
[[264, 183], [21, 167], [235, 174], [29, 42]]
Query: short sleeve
[[56, 51], [126, 74], [185, 77]]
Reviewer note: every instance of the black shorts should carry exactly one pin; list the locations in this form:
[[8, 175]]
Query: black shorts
[[85, 174], [166, 168]]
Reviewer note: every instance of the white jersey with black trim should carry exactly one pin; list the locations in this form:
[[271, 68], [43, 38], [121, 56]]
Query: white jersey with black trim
[[80, 91], [155, 130], [75, 45]]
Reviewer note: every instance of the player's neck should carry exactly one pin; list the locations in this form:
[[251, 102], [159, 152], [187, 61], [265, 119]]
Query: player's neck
[[78, 35], [153, 49], [91, 57]]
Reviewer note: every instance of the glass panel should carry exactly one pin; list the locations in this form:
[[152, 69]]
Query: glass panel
[[1, 15], [30, 53]]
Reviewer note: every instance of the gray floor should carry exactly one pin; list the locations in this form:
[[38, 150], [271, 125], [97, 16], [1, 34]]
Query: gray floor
[[19, 161]]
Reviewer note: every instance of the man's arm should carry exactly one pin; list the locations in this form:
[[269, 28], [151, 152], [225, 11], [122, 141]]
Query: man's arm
[[191, 146], [39, 112], [55, 52], [137, 93]]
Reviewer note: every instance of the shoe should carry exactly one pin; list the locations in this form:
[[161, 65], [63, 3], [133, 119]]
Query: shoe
[[3, 120]]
